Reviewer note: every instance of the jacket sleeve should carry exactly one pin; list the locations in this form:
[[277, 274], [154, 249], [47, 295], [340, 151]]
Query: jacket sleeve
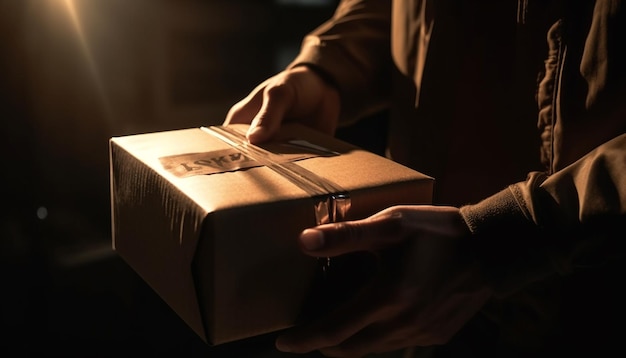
[[352, 51], [557, 224]]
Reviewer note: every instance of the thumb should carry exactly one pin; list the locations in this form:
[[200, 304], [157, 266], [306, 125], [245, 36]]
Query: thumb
[[371, 234]]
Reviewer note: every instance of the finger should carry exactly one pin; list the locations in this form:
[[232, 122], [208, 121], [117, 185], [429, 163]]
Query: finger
[[374, 339], [277, 100], [397, 330], [245, 110], [374, 233], [401, 325], [335, 328]]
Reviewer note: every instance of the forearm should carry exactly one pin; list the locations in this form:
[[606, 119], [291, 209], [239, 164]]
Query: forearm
[[573, 219]]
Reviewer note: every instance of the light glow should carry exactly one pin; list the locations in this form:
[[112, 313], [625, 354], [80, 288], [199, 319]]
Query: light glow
[[72, 12]]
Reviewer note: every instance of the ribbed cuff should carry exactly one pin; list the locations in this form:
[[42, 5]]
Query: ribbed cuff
[[509, 245]]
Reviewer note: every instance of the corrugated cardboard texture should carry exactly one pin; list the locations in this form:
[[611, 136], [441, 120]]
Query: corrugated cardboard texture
[[221, 249]]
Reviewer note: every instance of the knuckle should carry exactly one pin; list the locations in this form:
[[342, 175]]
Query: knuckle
[[350, 231], [278, 92], [395, 221]]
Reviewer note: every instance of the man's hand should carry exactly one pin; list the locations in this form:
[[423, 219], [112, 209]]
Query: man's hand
[[427, 287], [297, 94]]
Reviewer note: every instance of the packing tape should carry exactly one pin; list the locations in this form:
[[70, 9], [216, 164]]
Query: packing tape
[[331, 201]]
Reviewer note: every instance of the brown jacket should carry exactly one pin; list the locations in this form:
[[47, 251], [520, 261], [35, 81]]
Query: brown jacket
[[483, 94]]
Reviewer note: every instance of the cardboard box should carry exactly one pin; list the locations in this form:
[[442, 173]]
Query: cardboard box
[[221, 248]]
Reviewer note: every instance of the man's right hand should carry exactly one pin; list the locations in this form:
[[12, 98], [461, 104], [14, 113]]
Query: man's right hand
[[297, 94]]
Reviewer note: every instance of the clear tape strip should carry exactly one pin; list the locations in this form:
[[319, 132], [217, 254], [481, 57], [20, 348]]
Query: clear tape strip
[[332, 202]]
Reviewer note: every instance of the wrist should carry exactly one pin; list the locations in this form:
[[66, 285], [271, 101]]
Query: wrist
[[508, 245]]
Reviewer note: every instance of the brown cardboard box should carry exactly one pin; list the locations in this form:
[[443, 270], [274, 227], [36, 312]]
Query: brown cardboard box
[[221, 248]]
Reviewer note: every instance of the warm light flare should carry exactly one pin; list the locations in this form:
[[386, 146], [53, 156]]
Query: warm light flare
[[86, 50], [71, 10]]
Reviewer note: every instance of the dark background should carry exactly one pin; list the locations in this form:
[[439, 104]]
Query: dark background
[[72, 75]]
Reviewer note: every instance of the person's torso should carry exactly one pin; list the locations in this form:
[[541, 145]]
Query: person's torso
[[491, 90]]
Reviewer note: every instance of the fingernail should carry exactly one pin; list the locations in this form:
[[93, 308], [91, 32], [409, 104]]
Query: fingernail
[[312, 239]]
